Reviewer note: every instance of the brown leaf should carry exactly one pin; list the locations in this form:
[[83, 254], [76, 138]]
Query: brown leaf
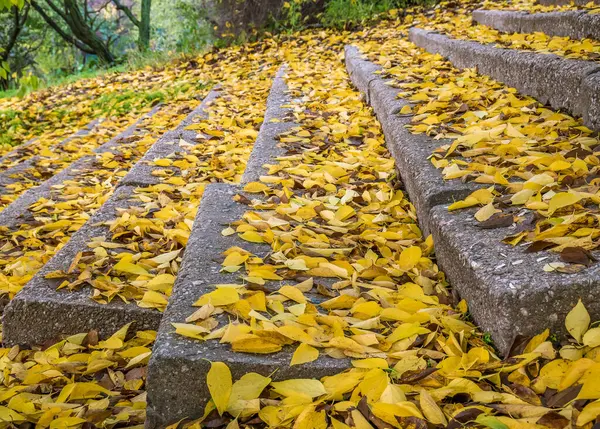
[[463, 417], [413, 377], [498, 220], [562, 398], [518, 345], [553, 420], [538, 246], [577, 255]]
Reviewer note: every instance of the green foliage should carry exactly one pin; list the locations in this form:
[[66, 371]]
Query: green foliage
[[344, 13], [4, 69], [340, 14], [122, 102], [179, 26], [27, 84], [7, 4]]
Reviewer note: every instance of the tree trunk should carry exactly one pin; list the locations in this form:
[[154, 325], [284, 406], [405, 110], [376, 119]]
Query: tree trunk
[[144, 28], [82, 36], [83, 32], [19, 18]]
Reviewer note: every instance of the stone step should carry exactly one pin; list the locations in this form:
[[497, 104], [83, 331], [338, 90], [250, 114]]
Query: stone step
[[532, 73], [26, 149], [11, 175], [18, 213], [566, 2], [507, 290], [576, 24], [177, 371], [40, 312], [411, 151]]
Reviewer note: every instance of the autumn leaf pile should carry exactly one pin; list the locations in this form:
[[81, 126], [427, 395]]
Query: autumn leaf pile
[[59, 111], [347, 273]]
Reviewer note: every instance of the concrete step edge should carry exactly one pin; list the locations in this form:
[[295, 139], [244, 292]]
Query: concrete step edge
[[576, 24], [177, 371]]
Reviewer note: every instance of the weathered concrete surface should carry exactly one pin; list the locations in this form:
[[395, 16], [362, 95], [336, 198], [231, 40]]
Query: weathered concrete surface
[[532, 73], [507, 289], [277, 120], [177, 373], [39, 312], [411, 152], [169, 143], [577, 24], [23, 149]]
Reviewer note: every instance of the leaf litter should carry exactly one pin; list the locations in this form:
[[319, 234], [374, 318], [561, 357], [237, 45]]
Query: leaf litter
[[354, 277]]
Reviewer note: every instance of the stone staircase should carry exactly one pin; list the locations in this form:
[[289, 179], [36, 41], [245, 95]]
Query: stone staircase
[[507, 290]]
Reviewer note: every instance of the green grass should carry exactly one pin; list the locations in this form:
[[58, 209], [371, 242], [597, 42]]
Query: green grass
[[135, 61]]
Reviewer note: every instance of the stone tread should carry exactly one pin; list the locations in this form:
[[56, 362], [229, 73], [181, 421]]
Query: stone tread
[[532, 73], [49, 313], [6, 175], [178, 367], [507, 290], [577, 24], [15, 213]]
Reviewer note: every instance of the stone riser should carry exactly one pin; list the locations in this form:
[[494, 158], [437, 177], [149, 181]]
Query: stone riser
[[566, 2], [177, 372], [6, 175]]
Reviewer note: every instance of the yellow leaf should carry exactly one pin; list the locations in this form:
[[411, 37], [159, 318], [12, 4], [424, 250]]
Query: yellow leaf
[[219, 385], [431, 410], [486, 212], [252, 237], [255, 187], [293, 294], [563, 199], [235, 258], [219, 297], [129, 268], [592, 338], [578, 321], [301, 386], [303, 354], [189, 330], [589, 413], [163, 162], [255, 345], [410, 257]]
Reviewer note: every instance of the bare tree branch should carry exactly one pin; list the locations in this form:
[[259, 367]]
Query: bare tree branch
[[127, 11], [67, 37]]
